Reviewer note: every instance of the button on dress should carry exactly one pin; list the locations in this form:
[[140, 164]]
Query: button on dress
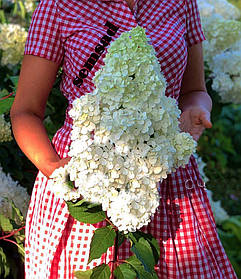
[[67, 32]]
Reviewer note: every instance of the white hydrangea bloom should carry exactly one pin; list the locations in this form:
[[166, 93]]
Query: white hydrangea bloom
[[125, 136], [29, 5], [226, 68], [12, 42], [5, 130], [14, 192], [208, 8], [221, 35], [222, 49]]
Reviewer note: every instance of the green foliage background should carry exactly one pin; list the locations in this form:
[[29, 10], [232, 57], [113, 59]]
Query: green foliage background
[[220, 148]]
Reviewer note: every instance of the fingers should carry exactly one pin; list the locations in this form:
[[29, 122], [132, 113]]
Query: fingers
[[205, 120]]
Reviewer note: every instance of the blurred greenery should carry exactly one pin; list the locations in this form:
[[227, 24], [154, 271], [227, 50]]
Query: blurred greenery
[[237, 3]]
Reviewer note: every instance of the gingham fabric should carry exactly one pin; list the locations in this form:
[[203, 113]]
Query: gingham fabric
[[68, 32]]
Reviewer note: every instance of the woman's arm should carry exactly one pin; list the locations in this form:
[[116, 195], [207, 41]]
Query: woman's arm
[[194, 101], [36, 80]]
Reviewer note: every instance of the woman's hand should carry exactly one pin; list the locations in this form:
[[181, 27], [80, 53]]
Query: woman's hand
[[51, 167], [194, 120], [194, 101]]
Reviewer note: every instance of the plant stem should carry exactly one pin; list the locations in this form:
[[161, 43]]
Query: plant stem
[[5, 97], [115, 255], [11, 234]]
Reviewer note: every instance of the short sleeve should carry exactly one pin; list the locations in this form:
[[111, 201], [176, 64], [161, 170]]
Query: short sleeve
[[44, 38], [194, 29]]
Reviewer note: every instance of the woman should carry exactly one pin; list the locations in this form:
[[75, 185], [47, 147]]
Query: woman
[[76, 34]]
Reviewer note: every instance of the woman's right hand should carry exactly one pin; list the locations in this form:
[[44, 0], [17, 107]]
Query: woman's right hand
[[55, 165]]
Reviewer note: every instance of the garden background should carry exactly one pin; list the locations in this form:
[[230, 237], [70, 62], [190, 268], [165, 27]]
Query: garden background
[[219, 149]]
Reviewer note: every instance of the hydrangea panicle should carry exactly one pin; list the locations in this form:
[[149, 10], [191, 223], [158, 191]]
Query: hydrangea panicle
[[125, 135], [222, 49], [12, 42], [12, 191]]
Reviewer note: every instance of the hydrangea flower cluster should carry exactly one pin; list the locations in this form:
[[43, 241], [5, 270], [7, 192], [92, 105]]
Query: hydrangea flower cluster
[[222, 49], [12, 42], [227, 75], [125, 136], [13, 192], [29, 5], [5, 130], [223, 8]]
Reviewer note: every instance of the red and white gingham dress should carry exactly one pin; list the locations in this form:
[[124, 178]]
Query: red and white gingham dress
[[69, 31]]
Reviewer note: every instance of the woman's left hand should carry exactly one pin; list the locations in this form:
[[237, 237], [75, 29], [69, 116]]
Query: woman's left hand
[[194, 120]]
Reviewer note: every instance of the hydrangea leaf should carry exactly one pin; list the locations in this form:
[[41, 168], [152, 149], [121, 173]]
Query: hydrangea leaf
[[139, 268], [101, 272], [233, 225], [102, 239], [142, 249], [83, 274], [125, 271], [16, 212], [14, 80], [151, 240], [4, 265], [87, 215], [5, 224], [6, 105]]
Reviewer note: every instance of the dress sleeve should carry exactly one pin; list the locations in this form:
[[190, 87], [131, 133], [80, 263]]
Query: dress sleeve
[[194, 29], [44, 39]]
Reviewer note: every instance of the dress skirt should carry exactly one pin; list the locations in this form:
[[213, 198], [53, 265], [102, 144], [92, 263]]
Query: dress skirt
[[57, 245]]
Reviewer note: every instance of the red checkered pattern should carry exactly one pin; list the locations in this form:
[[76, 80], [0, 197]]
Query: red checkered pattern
[[67, 32]]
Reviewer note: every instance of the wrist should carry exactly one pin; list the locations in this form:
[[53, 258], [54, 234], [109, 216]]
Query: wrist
[[49, 167], [194, 99]]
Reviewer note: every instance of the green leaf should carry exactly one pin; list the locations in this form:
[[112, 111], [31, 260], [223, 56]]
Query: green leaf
[[102, 239], [5, 224], [125, 271], [151, 240], [14, 80], [234, 225], [4, 266], [22, 9], [78, 203], [87, 215], [16, 212], [83, 274], [101, 272], [5, 105], [139, 268], [142, 249], [2, 17], [70, 184]]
